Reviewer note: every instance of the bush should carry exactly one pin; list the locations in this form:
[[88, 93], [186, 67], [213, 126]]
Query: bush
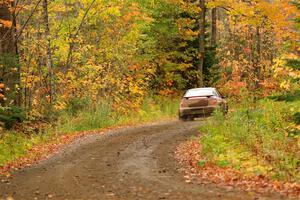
[[75, 105], [296, 118], [257, 139], [102, 114], [9, 116]]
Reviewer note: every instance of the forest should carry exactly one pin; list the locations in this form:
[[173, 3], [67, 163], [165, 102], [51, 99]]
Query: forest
[[69, 66]]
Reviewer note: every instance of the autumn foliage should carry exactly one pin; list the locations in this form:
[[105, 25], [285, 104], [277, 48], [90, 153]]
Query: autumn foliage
[[59, 57], [121, 50]]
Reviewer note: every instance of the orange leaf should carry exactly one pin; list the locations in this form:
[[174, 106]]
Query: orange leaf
[[6, 23]]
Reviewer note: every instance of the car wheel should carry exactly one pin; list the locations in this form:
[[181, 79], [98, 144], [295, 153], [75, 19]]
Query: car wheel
[[183, 118], [190, 118]]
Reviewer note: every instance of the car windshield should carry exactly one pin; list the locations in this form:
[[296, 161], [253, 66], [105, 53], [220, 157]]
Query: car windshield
[[199, 93]]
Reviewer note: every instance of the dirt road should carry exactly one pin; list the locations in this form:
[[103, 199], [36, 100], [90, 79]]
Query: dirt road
[[131, 163]]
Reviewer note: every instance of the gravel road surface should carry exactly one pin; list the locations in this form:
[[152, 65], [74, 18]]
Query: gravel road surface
[[125, 164]]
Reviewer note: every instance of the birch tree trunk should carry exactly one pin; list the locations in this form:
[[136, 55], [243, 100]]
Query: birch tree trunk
[[49, 52]]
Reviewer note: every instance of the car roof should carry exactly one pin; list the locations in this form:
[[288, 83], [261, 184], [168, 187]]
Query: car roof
[[206, 90]]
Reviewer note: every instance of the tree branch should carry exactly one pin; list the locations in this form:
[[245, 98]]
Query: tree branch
[[28, 19], [71, 44]]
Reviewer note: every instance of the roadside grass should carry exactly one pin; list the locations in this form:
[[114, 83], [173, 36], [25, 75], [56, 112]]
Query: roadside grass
[[88, 117], [259, 139], [102, 115]]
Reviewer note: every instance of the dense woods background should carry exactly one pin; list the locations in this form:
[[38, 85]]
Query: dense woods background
[[60, 57], [56, 52]]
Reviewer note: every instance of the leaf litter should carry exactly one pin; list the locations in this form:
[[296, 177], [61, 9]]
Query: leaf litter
[[195, 168]]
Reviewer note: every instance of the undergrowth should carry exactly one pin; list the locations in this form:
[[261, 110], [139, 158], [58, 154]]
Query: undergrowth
[[84, 116], [261, 138]]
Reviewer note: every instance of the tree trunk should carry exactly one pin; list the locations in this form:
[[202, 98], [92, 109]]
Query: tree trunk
[[10, 70], [258, 57], [49, 52], [201, 40], [213, 41]]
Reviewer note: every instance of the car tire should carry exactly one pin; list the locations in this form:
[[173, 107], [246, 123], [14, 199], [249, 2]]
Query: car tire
[[183, 118], [190, 118]]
